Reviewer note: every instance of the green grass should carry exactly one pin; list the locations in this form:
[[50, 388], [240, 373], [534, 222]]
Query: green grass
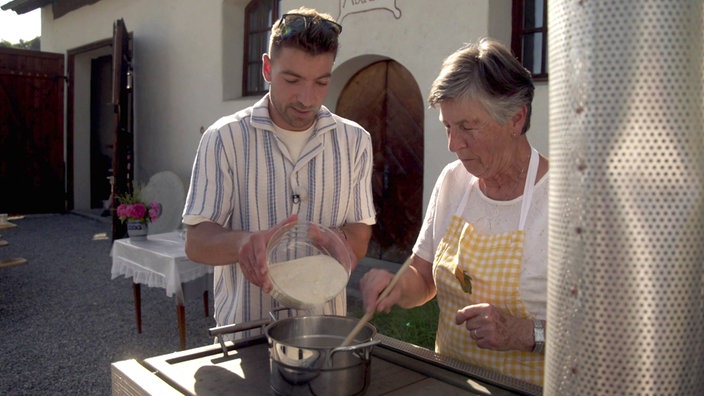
[[416, 325]]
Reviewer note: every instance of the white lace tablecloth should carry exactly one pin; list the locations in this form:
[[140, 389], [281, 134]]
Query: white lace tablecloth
[[158, 261]]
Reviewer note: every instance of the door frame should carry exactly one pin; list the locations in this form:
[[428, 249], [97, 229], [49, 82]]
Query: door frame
[[122, 102], [72, 56]]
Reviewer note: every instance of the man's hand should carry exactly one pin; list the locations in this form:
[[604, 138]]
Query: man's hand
[[252, 255]]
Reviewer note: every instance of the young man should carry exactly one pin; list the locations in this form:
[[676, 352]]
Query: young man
[[287, 157]]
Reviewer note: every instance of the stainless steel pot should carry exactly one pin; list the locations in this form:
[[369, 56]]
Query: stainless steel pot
[[306, 358]]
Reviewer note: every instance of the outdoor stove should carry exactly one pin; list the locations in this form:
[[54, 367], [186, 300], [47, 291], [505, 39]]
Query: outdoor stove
[[396, 366]]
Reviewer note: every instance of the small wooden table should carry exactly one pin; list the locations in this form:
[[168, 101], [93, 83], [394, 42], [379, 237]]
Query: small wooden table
[[9, 262], [160, 261]]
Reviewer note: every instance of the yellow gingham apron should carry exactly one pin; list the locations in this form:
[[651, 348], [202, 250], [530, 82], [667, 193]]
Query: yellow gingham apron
[[494, 264]]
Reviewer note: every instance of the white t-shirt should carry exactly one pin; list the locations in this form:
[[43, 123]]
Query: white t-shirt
[[491, 217], [294, 140]]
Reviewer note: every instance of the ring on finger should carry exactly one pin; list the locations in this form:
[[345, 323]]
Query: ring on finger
[[473, 334]]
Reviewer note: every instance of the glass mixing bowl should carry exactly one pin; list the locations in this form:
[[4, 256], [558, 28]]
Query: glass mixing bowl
[[309, 265]]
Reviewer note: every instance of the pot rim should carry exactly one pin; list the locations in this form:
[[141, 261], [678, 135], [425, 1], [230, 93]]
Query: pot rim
[[368, 341]]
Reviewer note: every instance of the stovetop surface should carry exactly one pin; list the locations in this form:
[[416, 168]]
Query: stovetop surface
[[395, 366]]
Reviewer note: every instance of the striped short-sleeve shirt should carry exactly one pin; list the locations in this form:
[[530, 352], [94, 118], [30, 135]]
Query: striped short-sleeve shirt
[[243, 178]]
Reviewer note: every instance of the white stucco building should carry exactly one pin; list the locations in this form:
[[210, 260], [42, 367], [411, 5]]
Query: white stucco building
[[187, 60]]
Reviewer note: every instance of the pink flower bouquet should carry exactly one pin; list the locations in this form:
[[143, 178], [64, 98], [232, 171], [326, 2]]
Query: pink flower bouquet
[[132, 208]]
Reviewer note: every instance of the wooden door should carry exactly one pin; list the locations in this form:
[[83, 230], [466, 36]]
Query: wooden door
[[32, 171], [123, 145], [384, 98]]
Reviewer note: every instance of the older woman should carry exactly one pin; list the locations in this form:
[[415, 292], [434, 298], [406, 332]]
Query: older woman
[[482, 248]]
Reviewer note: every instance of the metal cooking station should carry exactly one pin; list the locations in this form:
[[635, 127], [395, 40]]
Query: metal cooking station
[[396, 368]]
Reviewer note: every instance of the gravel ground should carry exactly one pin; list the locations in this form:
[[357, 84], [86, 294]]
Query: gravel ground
[[63, 321]]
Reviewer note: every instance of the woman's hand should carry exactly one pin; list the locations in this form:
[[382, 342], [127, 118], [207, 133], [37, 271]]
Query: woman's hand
[[495, 329], [371, 285], [252, 255], [415, 287]]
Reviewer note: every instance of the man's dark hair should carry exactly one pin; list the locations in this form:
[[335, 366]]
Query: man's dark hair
[[305, 29]]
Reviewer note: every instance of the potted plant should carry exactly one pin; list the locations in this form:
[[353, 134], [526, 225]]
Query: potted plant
[[137, 214]]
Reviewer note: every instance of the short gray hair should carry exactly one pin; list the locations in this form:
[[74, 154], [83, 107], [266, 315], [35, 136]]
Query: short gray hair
[[488, 72]]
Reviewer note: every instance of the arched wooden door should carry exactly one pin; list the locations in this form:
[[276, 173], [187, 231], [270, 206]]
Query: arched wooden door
[[384, 98]]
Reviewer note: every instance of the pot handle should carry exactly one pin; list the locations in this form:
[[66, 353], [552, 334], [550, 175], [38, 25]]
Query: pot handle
[[219, 331], [237, 327], [274, 314], [352, 348]]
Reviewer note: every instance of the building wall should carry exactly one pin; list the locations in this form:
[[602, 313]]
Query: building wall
[[177, 72], [187, 62], [419, 39]]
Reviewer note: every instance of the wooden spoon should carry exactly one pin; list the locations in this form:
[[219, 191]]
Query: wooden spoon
[[368, 315]]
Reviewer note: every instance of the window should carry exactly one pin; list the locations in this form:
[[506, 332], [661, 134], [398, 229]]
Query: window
[[529, 38], [260, 15]]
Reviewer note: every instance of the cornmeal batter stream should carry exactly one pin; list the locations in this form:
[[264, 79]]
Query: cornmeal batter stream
[[307, 281]]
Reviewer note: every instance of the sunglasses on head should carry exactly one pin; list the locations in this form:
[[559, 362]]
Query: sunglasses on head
[[290, 20]]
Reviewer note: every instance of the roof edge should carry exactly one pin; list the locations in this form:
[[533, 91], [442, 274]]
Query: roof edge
[[25, 6]]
